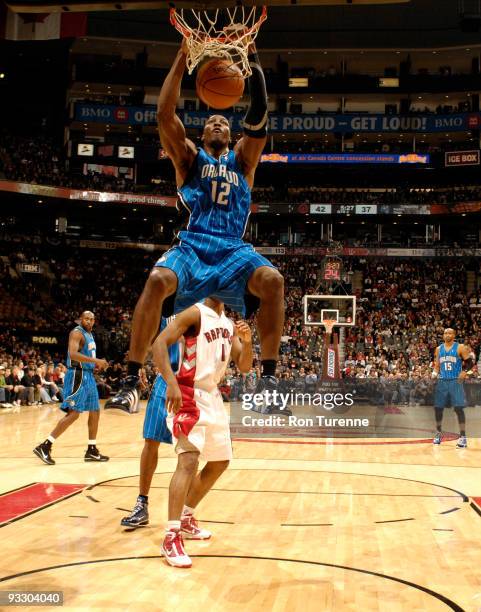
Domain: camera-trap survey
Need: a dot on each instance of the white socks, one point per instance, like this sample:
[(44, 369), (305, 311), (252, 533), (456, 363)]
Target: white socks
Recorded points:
[(173, 525)]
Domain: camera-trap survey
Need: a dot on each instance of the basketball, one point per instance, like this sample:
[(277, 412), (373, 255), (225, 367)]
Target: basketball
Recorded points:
[(219, 83)]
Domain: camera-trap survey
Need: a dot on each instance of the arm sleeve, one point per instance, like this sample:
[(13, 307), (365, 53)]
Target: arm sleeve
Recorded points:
[(255, 121)]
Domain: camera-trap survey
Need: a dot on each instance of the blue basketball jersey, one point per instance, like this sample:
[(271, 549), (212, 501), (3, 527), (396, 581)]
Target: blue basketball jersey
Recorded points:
[(174, 349), (450, 364), (88, 349), (217, 196)]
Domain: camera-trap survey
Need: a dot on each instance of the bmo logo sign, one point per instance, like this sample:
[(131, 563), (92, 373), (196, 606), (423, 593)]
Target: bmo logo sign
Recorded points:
[(121, 114), (462, 158)]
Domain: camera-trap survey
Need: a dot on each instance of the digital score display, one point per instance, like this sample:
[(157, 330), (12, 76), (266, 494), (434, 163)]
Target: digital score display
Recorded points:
[(332, 270)]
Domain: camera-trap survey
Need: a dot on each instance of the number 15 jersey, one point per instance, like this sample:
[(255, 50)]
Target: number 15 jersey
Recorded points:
[(217, 196), (450, 363)]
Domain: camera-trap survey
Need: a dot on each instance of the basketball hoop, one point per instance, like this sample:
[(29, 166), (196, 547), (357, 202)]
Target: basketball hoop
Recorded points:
[(329, 325), (224, 34)]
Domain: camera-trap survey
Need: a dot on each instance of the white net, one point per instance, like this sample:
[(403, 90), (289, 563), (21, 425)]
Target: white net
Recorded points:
[(329, 325), (220, 33)]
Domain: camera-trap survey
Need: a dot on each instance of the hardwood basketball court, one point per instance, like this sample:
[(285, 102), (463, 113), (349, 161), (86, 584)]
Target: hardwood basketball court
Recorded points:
[(299, 524)]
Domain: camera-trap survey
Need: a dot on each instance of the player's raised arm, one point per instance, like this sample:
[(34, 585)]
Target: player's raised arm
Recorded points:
[(171, 334), (241, 351), (249, 148), (180, 149)]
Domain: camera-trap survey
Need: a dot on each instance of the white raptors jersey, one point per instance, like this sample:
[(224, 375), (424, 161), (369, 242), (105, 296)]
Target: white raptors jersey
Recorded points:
[(206, 356)]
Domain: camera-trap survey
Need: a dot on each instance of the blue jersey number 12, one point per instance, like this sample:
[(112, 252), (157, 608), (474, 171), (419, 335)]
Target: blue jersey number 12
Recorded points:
[(220, 194)]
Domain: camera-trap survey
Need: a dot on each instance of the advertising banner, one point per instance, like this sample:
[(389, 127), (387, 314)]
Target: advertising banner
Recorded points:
[(462, 158), (302, 123), (87, 195), (345, 158)]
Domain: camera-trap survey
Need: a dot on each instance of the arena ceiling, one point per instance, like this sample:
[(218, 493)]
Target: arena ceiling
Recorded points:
[(315, 24)]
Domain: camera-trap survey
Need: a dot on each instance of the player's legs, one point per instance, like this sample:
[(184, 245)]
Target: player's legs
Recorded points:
[(462, 442), (92, 406), (93, 424), (217, 451), (139, 516), (65, 423), (459, 402), (203, 481), (459, 410), (43, 450), (173, 544), (441, 400), (148, 465), (92, 453), (438, 415), (267, 284), (187, 464), (161, 283), (155, 431)]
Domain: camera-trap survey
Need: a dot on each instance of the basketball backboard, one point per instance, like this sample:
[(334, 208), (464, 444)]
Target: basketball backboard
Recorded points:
[(340, 308)]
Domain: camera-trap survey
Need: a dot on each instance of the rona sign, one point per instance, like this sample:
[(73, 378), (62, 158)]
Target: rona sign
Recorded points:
[(44, 340)]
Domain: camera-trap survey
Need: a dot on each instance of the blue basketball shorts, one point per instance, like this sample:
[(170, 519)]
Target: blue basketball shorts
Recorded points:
[(155, 424), (211, 266), (80, 391), (449, 393)]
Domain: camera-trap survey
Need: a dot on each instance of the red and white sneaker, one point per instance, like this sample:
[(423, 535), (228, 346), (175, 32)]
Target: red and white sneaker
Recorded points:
[(173, 550), (191, 530)]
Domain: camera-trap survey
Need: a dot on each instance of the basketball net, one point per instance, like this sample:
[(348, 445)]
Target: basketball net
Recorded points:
[(329, 325), (224, 34)]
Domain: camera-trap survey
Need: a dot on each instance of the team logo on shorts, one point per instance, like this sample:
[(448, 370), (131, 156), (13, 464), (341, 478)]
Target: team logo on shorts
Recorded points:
[(71, 403)]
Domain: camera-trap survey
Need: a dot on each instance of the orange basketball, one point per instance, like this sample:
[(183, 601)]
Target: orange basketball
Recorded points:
[(219, 83)]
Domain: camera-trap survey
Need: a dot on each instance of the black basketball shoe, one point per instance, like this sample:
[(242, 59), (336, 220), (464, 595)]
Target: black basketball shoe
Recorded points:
[(43, 452), (272, 404), (139, 517), (127, 398), (93, 454)]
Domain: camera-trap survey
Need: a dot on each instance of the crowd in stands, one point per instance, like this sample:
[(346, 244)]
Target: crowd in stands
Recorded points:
[(403, 308), (39, 160), (348, 195), (403, 305), (30, 375)]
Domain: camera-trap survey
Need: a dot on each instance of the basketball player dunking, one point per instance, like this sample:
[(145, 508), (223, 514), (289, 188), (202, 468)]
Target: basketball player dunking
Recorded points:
[(79, 390), (214, 184), (197, 417), (449, 360)]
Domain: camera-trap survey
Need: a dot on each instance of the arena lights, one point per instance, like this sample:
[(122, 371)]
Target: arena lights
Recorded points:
[(2, 75)]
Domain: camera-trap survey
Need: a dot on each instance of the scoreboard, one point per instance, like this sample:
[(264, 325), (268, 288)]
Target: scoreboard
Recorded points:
[(343, 209), (331, 269)]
